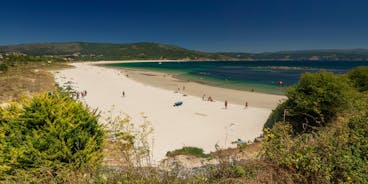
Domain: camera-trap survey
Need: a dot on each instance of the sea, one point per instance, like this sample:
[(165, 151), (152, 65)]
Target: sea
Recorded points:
[(270, 77)]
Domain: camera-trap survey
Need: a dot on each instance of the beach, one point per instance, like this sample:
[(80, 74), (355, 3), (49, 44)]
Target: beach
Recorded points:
[(151, 96)]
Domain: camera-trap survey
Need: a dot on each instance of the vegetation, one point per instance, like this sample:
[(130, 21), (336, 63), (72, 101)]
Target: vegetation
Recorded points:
[(25, 78), (336, 151), (8, 59), (49, 133), (314, 102), (359, 78), (108, 51), (318, 135), (3, 67), (198, 152)]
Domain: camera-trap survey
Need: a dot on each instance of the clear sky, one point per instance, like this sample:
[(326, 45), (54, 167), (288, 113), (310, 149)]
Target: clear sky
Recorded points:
[(207, 25)]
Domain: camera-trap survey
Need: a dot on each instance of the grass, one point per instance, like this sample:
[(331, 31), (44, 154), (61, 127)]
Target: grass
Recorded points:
[(198, 152), (27, 78)]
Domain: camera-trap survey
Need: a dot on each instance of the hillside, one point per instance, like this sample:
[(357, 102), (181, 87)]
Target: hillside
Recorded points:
[(145, 50), (109, 51), (324, 54)]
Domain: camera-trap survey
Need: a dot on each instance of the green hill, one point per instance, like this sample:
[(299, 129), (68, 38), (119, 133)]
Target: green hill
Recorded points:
[(145, 50), (110, 51)]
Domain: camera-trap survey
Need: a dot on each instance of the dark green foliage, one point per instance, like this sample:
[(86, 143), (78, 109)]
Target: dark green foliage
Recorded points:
[(198, 152), (276, 115), (315, 101), (336, 152), (359, 78), (49, 132)]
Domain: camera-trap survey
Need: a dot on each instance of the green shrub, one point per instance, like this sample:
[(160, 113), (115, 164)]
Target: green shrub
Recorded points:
[(316, 100), (359, 78), (338, 154), (276, 115), (198, 152), (49, 132)]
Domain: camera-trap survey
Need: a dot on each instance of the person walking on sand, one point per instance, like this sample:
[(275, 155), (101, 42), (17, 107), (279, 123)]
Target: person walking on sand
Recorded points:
[(204, 97), (246, 104), (225, 104), (123, 93)]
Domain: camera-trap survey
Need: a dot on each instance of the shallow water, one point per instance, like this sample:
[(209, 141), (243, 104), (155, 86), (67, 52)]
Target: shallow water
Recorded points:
[(261, 76)]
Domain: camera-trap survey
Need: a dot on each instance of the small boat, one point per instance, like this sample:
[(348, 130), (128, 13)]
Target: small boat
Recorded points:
[(160, 63), (179, 103)]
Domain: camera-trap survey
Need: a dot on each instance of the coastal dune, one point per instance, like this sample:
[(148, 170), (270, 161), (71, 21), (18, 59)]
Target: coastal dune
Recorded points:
[(196, 123)]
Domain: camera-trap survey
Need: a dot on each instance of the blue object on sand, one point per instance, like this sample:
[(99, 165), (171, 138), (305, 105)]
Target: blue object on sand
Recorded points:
[(178, 103)]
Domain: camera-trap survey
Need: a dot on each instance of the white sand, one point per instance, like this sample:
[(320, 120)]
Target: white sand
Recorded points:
[(195, 123)]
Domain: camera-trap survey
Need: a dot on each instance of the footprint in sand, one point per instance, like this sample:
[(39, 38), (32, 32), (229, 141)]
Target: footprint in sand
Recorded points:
[(200, 114)]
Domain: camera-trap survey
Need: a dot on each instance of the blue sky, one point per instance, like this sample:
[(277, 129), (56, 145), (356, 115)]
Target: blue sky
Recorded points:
[(206, 25)]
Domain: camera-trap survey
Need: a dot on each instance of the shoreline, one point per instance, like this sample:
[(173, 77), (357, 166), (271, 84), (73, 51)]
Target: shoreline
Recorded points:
[(168, 81), (196, 123)]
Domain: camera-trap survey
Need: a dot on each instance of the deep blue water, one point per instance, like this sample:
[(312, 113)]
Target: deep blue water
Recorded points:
[(245, 75)]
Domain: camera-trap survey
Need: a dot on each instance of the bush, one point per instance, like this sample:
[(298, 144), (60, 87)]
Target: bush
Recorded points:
[(316, 100), (359, 78), (338, 154), (49, 132), (276, 115)]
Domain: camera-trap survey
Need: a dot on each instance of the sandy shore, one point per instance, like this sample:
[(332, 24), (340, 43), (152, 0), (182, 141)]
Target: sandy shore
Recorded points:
[(196, 123), (169, 82)]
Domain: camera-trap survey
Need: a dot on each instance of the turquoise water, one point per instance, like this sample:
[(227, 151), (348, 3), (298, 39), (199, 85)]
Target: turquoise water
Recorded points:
[(260, 76)]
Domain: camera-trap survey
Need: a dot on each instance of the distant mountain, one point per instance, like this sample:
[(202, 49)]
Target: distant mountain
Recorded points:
[(145, 50), (323, 54), (110, 51)]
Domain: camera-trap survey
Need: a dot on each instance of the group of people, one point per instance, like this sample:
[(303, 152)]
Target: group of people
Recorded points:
[(210, 99), (78, 94), (180, 89), (205, 98)]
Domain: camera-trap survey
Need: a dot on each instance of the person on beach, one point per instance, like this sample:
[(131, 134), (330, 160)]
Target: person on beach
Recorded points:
[(83, 93), (204, 97), (246, 104), (210, 99), (225, 104), (123, 93)]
